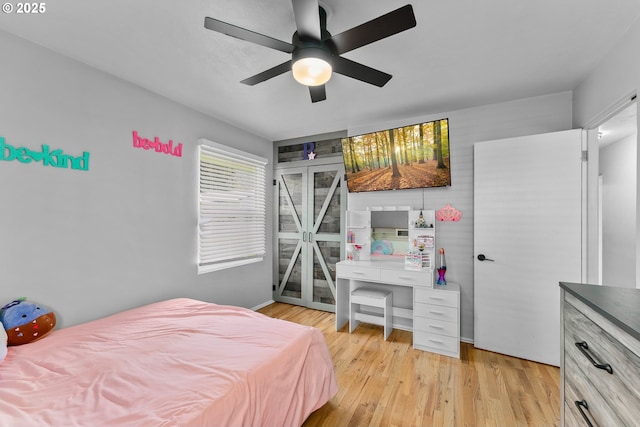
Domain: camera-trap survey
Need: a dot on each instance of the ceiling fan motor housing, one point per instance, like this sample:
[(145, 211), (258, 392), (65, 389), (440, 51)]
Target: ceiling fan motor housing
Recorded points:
[(311, 65)]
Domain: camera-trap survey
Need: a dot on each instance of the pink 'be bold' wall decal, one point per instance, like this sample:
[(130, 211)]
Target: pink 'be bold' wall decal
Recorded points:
[(157, 145)]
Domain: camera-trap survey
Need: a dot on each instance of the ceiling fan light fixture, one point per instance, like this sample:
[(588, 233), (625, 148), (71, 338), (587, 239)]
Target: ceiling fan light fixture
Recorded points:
[(311, 66)]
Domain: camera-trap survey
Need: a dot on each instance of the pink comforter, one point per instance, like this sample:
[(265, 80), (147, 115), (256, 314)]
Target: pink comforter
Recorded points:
[(180, 362)]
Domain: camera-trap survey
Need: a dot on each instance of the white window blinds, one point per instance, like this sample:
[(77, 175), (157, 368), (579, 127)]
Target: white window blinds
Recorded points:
[(232, 211)]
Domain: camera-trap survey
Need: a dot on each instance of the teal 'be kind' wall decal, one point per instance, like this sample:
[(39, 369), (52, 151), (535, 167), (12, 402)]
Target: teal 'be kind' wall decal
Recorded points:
[(48, 157)]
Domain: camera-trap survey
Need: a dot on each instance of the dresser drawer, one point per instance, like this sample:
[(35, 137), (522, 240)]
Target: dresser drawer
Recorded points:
[(578, 388), (436, 326), (435, 296), (434, 342), (356, 272), (572, 417), (407, 277), (620, 389), (436, 312)]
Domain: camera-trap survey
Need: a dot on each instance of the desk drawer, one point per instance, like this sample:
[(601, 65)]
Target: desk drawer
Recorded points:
[(435, 326), (358, 273), (435, 296), (435, 342), (437, 312), (407, 277)]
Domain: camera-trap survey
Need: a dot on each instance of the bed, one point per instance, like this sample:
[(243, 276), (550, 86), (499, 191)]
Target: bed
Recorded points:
[(179, 362)]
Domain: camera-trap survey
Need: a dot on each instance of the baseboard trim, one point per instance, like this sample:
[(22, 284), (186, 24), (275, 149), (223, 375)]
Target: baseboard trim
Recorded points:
[(264, 304)]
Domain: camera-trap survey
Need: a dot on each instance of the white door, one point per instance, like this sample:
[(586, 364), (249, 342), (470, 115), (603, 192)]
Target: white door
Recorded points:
[(527, 228)]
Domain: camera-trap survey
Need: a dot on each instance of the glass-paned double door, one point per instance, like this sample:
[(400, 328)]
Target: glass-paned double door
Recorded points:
[(309, 220)]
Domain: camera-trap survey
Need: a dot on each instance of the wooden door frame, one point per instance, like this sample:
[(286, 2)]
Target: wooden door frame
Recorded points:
[(591, 192)]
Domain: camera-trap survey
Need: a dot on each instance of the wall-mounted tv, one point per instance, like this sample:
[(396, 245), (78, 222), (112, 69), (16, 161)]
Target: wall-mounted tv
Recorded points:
[(414, 156)]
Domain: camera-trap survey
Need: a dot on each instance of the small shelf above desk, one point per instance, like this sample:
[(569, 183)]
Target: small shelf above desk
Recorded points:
[(434, 318)]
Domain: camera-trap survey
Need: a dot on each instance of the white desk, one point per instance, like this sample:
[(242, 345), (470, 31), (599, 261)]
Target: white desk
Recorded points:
[(432, 314)]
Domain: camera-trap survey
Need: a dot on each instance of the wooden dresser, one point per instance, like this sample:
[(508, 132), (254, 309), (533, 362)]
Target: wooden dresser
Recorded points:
[(600, 357)]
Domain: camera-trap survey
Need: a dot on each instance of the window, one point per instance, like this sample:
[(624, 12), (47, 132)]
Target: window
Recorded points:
[(231, 207)]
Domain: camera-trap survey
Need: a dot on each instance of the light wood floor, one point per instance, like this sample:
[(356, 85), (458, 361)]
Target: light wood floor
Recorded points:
[(388, 383)]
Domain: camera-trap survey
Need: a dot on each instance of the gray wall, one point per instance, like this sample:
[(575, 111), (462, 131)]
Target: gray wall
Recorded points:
[(466, 127), (123, 233), (614, 79)]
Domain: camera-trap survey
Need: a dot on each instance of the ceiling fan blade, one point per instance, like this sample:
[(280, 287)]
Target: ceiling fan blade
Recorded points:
[(266, 75), (318, 93), (357, 71), (244, 34), (307, 14), (377, 29)]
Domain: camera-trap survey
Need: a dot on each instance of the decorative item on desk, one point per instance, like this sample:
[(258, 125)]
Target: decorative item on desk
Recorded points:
[(411, 259), (442, 269), (351, 237), (356, 252), (424, 241), (416, 257), (421, 223), (448, 213)]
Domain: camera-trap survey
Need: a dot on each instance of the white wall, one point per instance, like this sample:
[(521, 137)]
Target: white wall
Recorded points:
[(123, 233), (614, 79), (618, 170), (617, 75), (466, 127)]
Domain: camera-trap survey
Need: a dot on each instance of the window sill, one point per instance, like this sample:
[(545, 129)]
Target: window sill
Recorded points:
[(203, 269)]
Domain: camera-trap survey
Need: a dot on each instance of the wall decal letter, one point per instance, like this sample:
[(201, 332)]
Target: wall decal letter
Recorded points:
[(56, 158), (157, 145), (308, 148)]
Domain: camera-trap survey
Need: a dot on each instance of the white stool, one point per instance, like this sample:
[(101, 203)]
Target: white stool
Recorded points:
[(372, 298)]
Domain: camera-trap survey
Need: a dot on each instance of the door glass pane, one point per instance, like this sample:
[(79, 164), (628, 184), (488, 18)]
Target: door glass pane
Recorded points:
[(330, 255), (286, 251), (330, 222), (290, 194)]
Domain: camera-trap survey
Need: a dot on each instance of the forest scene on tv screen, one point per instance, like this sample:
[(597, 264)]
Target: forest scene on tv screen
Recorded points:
[(414, 156)]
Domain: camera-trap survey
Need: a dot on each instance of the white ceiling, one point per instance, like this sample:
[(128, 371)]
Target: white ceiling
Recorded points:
[(462, 53)]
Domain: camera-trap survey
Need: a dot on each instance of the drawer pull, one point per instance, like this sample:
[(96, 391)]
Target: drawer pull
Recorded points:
[(404, 277), (580, 404), (435, 326), (358, 272), (435, 312), (583, 346)]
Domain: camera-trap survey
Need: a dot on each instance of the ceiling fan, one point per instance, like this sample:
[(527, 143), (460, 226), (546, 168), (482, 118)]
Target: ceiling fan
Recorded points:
[(315, 53)]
